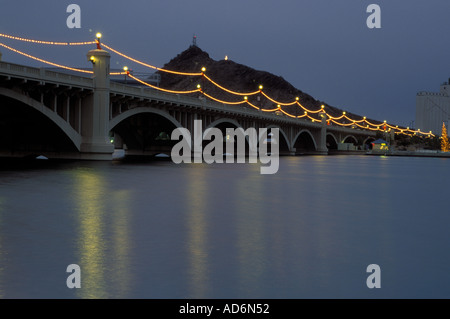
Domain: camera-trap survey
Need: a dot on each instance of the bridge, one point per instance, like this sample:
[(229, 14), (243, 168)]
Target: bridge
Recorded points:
[(60, 115)]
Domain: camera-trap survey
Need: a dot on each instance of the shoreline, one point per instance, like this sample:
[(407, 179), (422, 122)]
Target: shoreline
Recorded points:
[(437, 154)]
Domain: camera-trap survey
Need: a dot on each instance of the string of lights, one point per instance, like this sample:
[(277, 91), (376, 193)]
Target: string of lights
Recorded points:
[(252, 105), (276, 102), (312, 118), (148, 65), (224, 102), (52, 63), (330, 119), (161, 89), (45, 61), (293, 116), (270, 110), (45, 42), (225, 89), (308, 110)]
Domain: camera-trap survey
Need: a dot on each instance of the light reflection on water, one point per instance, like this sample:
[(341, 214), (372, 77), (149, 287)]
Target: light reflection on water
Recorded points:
[(90, 190), (197, 237), (122, 243), (251, 243), (161, 230), (104, 260)]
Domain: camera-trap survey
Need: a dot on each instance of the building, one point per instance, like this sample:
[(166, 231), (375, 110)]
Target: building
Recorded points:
[(380, 145), (432, 109)]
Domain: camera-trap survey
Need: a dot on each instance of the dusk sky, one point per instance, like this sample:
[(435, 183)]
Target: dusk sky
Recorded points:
[(322, 47)]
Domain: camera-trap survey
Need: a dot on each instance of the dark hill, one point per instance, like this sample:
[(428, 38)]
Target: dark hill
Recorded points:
[(239, 78)]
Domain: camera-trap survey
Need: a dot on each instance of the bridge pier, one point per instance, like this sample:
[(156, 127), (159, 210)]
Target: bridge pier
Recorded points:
[(96, 143), (321, 138), (322, 145)]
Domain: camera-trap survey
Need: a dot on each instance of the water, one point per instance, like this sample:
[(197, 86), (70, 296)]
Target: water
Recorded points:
[(160, 230)]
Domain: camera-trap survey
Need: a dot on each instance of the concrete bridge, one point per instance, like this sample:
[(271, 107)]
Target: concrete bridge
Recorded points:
[(58, 115)]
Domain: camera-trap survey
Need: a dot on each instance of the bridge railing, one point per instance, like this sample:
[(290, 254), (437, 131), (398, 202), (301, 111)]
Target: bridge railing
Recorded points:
[(44, 75)]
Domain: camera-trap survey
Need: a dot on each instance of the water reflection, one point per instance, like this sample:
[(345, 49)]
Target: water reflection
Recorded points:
[(308, 231), (90, 188), (197, 233), (250, 233), (120, 263)]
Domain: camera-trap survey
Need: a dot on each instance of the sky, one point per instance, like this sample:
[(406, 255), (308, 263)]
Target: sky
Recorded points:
[(322, 47)]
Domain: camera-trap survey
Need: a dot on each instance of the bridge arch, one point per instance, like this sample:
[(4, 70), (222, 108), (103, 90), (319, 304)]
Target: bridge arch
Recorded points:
[(283, 134), (140, 110), (224, 120), (331, 141), (64, 126), (140, 130), (368, 142), (350, 139), (304, 140), (220, 124)]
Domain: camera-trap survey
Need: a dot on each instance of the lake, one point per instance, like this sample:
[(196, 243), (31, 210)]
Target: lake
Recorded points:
[(162, 230)]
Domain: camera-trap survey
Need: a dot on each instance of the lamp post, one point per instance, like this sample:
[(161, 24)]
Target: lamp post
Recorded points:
[(125, 68), (99, 36), (259, 97), (203, 78)]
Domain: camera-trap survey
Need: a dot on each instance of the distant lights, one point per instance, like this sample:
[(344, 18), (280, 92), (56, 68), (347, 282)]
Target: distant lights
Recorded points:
[(125, 68), (245, 98), (199, 86), (203, 69), (260, 87), (297, 98), (98, 35)]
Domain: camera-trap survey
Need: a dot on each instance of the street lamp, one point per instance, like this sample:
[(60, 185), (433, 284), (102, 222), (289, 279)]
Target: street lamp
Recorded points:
[(99, 36), (125, 68)]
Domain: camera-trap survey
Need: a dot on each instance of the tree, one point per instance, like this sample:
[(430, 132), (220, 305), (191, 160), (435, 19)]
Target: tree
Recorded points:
[(445, 144)]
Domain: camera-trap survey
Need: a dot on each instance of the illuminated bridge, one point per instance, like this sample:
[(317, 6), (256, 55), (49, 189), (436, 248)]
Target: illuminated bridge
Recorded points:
[(60, 115)]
